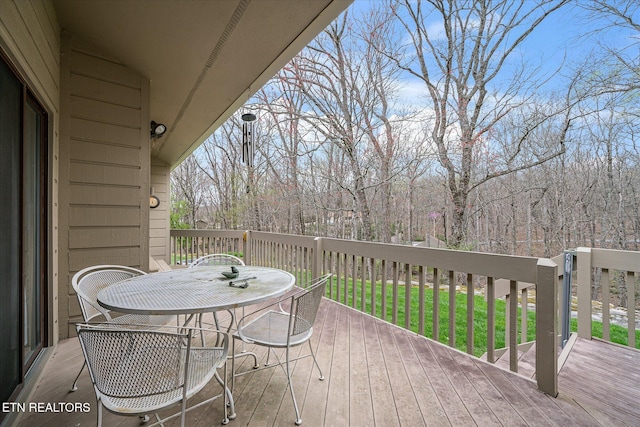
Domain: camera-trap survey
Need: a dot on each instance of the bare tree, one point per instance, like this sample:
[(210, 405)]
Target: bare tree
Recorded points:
[(460, 66), (613, 13), (283, 105), (348, 86), (375, 94), (488, 159), (188, 185), (324, 74), (220, 162)]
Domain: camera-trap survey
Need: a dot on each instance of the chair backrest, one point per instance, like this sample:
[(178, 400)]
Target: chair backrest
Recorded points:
[(216, 259), (89, 281), (304, 306), (133, 363)]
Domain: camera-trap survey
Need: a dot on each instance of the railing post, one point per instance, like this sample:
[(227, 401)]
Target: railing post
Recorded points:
[(316, 267), (584, 292), (247, 247), (546, 327)]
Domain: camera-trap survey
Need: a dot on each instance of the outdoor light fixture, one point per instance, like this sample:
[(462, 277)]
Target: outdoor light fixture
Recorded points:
[(157, 129)]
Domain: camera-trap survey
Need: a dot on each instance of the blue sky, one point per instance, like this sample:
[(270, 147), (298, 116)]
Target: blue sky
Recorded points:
[(567, 35)]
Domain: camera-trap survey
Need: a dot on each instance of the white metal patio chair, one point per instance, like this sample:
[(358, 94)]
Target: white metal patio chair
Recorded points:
[(89, 281), (273, 327), (215, 260), (139, 371)]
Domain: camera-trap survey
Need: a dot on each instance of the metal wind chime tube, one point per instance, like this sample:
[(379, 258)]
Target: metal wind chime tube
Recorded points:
[(248, 146)]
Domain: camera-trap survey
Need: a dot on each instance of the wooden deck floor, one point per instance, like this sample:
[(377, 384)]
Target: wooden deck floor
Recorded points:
[(376, 375), (604, 379)]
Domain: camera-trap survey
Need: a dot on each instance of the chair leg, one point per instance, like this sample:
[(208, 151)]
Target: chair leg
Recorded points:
[(74, 387), (315, 361), (228, 398), (199, 321), (99, 413), (293, 395), (268, 355), (233, 364)]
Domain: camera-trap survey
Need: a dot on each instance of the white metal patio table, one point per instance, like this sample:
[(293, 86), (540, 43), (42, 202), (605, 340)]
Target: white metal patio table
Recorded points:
[(196, 290)]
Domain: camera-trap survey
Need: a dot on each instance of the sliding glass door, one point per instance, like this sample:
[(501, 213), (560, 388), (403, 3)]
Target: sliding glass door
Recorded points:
[(33, 226), (10, 141), (23, 220)]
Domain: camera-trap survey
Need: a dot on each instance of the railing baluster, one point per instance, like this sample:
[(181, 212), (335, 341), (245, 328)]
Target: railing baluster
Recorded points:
[(354, 281), (436, 304), (303, 260), (421, 301), (470, 313), (513, 326), (373, 286), (394, 303), (334, 267), (606, 298), (307, 255), (306, 266), (452, 309), (192, 249), (300, 259), (345, 279), (183, 241), (491, 320), (524, 310), (407, 296), (383, 285), (631, 309), (363, 285)]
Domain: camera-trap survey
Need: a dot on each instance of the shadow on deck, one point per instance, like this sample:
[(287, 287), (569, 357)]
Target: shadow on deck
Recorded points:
[(379, 374)]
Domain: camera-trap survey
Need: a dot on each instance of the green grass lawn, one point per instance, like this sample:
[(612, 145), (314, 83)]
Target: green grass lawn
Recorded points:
[(618, 334)]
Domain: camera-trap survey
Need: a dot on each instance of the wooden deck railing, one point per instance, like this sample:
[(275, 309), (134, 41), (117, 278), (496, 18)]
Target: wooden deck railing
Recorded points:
[(393, 282), (597, 269), (188, 245)]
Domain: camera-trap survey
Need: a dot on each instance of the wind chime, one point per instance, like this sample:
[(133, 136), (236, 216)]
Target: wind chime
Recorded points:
[(248, 146)]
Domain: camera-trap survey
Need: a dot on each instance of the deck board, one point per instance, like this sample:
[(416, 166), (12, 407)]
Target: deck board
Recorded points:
[(379, 374), (453, 407), (604, 377), (495, 401), (337, 413), (360, 403), (385, 412), (315, 403), (470, 397), (429, 402)]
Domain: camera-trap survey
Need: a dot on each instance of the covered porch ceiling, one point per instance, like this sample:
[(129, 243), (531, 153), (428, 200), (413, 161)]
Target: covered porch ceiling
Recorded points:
[(204, 59)]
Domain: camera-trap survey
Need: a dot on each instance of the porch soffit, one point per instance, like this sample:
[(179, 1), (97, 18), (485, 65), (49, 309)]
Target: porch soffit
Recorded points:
[(204, 59)]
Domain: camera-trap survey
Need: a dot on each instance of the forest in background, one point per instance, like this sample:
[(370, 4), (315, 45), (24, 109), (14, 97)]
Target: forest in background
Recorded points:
[(407, 119)]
